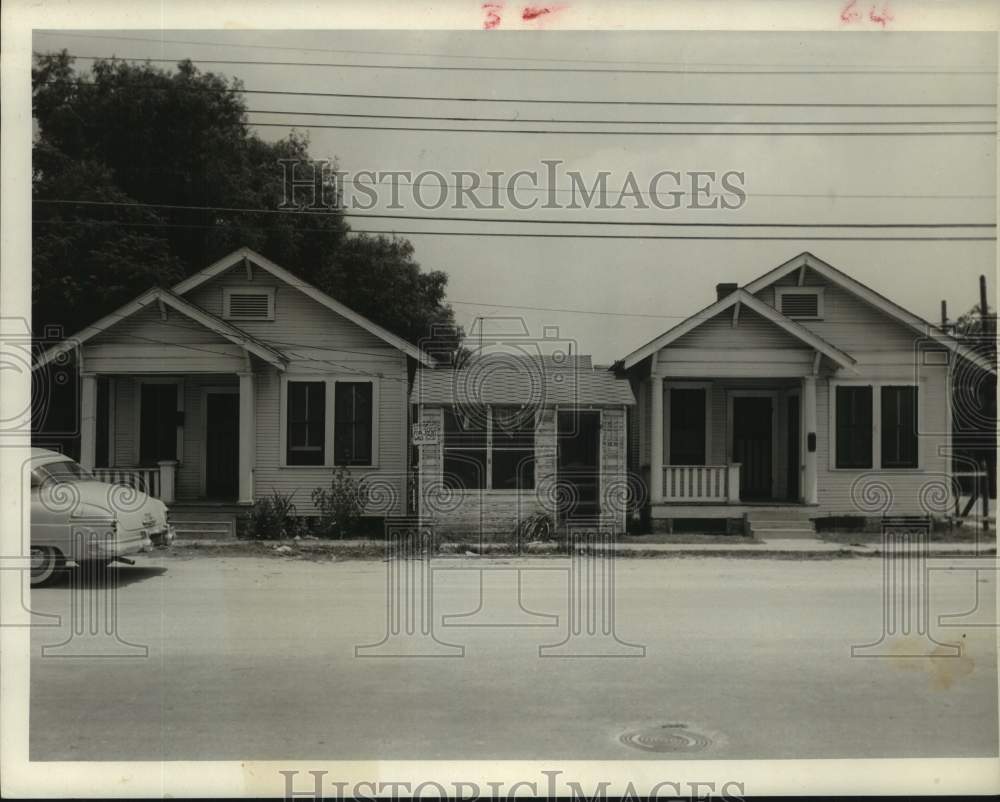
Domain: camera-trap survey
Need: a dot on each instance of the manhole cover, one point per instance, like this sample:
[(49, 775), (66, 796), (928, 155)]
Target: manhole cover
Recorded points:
[(666, 738)]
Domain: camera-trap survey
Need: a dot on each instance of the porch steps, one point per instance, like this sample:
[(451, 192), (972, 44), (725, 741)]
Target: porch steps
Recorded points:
[(783, 523), (192, 522)]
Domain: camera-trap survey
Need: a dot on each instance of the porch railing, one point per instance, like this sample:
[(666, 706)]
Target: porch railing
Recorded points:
[(157, 482), (719, 483)]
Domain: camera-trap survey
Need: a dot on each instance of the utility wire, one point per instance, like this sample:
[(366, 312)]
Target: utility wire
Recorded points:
[(558, 132), (532, 221), (563, 101), (464, 68), (937, 68), (546, 235), (436, 118)]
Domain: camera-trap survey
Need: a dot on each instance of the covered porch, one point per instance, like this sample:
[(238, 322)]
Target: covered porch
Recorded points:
[(725, 445), (168, 400), (176, 437)]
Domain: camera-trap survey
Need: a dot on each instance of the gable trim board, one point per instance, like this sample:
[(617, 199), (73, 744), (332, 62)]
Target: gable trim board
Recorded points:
[(165, 298), (807, 260), (244, 255), (747, 299)]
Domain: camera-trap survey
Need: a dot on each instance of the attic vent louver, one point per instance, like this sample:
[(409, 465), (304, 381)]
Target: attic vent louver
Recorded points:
[(800, 304), (245, 305)]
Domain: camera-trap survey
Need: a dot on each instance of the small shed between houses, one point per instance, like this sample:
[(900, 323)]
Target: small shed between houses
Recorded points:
[(510, 437)]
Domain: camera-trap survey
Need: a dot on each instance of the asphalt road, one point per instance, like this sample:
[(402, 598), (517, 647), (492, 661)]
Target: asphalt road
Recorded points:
[(254, 658)]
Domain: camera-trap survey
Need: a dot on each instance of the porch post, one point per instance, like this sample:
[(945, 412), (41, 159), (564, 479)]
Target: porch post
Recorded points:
[(88, 421), (656, 455), (810, 492), (248, 424)]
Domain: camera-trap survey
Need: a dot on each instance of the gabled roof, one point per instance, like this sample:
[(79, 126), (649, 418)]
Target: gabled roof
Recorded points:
[(229, 261), (159, 295), (522, 380), (745, 298), (873, 298)]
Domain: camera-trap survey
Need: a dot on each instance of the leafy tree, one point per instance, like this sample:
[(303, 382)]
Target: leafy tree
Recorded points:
[(178, 142)]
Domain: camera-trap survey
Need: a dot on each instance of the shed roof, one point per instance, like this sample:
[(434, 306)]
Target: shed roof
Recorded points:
[(521, 380)]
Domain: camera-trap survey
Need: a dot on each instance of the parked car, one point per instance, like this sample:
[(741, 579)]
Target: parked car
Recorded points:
[(77, 518)]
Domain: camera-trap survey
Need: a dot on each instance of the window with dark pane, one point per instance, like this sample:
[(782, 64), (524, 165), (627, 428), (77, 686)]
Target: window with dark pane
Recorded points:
[(513, 451), (306, 436), (854, 427), (899, 427), (465, 448), (352, 420)]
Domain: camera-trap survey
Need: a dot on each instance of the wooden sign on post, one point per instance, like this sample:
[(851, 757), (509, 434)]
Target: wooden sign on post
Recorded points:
[(425, 434)]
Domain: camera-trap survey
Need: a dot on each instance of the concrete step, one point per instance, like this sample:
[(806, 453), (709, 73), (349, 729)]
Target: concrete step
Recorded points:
[(194, 523), (779, 514), (784, 534), (786, 523)]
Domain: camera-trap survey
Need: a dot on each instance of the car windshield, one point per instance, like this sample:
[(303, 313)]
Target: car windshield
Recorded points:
[(61, 471)]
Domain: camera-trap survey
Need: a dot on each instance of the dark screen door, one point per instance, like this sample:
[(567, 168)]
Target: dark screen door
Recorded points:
[(579, 448), (158, 423), (752, 445), (222, 424)]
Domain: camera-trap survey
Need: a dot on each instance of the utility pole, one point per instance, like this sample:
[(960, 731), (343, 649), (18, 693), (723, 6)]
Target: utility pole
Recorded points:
[(984, 309)]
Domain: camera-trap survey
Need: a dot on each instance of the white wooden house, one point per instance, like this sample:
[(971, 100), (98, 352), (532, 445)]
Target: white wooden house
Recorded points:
[(240, 380), (799, 395)]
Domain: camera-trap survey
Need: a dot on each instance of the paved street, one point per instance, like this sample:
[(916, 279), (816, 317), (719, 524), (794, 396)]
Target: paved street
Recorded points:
[(254, 658)]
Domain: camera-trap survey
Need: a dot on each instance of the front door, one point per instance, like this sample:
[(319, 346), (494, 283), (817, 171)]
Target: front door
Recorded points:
[(579, 452), (222, 433), (752, 445)]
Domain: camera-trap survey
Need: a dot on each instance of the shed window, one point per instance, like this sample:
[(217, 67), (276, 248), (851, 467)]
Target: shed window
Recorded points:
[(352, 416), (899, 427), (512, 448), (854, 427), (489, 448), (306, 423)]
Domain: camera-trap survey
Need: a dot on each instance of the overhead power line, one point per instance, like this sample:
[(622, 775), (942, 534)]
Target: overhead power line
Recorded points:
[(474, 219), (544, 120), (579, 101), (743, 70), (922, 68), (548, 235), (563, 132)]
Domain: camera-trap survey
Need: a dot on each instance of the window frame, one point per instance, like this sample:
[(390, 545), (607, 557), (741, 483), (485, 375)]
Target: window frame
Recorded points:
[(781, 291), (371, 425), (876, 385), (488, 484), (916, 426), (330, 420), (229, 292)]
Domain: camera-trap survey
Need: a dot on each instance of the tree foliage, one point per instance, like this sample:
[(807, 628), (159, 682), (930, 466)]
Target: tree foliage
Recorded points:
[(178, 142)]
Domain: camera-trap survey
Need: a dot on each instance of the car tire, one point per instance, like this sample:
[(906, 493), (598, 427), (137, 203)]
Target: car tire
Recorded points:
[(45, 563)]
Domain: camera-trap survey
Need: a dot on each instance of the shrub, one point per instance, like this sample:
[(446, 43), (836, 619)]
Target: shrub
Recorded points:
[(537, 526), (342, 506), (271, 517)]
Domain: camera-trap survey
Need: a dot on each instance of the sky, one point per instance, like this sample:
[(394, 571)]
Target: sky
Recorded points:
[(642, 287)]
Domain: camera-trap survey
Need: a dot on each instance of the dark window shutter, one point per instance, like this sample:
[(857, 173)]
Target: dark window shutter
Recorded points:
[(854, 427), (899, 427)]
